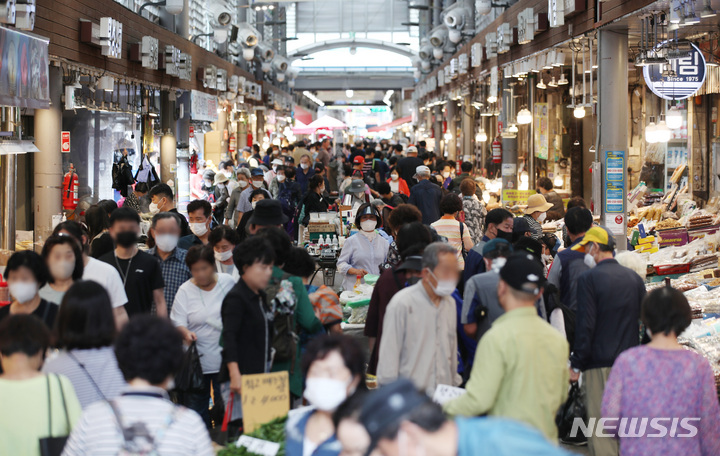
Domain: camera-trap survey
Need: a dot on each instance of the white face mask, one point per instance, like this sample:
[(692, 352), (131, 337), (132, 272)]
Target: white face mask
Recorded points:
[(199, 229), (589, 260), (154, 209), (446, 174), (242, 184), (444, 287), (62, 270), (274, 169), (166, 242), (23, 291), (254, 203), (281, 177), (221, 185), (304, 165), (394, 177), (325, 393), (223, 256), (257, 184), (368, 225), (542, 217)]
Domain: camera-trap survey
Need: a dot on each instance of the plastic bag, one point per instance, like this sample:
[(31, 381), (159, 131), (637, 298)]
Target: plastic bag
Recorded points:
[(190, 375), (573, 408)]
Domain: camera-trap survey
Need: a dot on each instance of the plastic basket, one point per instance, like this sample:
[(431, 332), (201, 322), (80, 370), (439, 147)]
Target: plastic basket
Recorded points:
[(668, 269)]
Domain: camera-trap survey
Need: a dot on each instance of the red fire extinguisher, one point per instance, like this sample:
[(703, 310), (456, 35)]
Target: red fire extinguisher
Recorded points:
[(70, 190), (497, 151)]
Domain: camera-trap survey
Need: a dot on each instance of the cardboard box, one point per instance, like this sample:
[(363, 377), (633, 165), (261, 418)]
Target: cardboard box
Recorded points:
[(699, 233), (321, 228), (673, 237)]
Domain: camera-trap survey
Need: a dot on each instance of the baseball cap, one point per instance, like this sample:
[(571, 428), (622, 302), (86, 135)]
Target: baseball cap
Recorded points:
[(257, 172), (411, 150), (387, 406), (496, 245), (521, 225), (413, 263), (359, 159), (277, 161), (597, 234), (529, 245), (522, 272), (422, 169)]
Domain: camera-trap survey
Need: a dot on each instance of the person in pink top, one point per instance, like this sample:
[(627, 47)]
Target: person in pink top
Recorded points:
[(665, 382)]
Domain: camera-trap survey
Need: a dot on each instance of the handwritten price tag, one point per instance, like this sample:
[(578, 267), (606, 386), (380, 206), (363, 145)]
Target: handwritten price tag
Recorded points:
[(445, 393), (257, 446), (264, 398)]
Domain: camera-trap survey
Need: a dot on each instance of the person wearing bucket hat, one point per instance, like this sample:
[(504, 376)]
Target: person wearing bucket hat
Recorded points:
[(222, 195), (426, 195), (257, 181), (365, 251), (609, 297), (357, 192), (267, 213), (535, 214), (400, 420), (518, 346)]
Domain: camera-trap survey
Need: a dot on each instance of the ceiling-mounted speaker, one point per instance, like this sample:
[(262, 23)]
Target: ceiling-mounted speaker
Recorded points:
[(224, 18)]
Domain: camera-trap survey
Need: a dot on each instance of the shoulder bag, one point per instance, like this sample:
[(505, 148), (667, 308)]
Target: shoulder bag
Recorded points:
[(53, 446)]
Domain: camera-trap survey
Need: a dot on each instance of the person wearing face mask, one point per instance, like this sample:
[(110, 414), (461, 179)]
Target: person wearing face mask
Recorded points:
[(334, 369), (26, 273), (456, 232), (683, 382), (97, 221), (536, 214), (398, 184), (402, 422), (275, 165), (412, 239), (64, 260), (255, 196), (420, 329), (609, 297), (196, 314), (257, 182), (133, 199), (223, 240), (365, 251), (304, 172), (480, 304), (208, 185), (314, 200), (519, 346), (277, 180), (140, 271), (498, 224), (243, 181), (445, 175), (200, 215), (222, 195), (426, 196), (162, 199), (165, 230)]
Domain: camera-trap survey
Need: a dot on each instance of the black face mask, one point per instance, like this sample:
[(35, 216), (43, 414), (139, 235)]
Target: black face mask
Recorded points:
[(126, 238), (507, 235), (412, 281)]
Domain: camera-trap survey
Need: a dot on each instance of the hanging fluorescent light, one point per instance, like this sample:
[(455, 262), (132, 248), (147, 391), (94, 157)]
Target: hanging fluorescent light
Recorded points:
[(559, 60), (481, 136), (541, 85), (707, 10), (563, 80), (491, 99), (579, 112), (552, 82), (106, 83), (524, 117), (559, 181), (513, 128), (673, 118), (349, 93), (690, 16)]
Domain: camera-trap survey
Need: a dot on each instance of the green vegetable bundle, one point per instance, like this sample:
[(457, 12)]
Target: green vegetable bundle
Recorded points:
[(274, 431)]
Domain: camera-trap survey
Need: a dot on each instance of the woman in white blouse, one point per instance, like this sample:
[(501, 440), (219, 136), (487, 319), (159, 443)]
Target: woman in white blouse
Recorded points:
[(223, 240), (364, 252), (196, 313)]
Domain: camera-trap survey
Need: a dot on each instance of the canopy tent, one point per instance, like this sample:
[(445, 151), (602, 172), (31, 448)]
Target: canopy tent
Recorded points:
[(301, 129), (393, 124), (327, 123)]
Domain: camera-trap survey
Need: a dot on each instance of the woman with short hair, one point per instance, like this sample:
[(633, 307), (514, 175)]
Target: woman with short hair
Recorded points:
[(474, 209), (456, 232), (663, 379), (26, 273), (84, 333), (196, 313), (223, 240)]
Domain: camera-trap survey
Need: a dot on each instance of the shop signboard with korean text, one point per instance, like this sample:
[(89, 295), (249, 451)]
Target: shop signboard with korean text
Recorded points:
[(515, 197), (204, 107), (680, 79), (614, 183), (24, 70), (541, 130)]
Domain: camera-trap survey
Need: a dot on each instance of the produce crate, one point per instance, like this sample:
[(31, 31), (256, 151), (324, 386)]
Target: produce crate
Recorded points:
[(668, 269)]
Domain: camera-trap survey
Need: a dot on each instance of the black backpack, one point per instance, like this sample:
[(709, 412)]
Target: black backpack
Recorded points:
[(552, 302), (283, 302)]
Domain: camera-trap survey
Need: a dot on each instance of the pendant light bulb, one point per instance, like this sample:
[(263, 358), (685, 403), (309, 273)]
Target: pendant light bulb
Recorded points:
[(650, 132), (673, 119), (524, 117), (579, 112), (541, 85)]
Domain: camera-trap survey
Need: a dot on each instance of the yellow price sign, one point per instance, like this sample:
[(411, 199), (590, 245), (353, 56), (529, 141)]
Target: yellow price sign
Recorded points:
[(264, 398)]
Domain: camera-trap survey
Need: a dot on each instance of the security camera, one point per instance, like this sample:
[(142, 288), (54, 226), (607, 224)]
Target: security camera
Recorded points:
[(280, 64), (483, 7), (264, 51), (224, 18), (455, 18), (425, 53), (247, 35), (438, 36)]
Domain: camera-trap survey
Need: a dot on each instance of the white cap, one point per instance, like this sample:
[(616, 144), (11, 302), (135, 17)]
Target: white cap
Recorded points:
[(411, 150), (421, 170), (277, 161)]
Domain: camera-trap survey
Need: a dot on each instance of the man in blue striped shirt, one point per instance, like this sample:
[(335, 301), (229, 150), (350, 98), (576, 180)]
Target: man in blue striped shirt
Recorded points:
[(165, 230)]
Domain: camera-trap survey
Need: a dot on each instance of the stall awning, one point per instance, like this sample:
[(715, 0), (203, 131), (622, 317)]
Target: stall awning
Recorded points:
[(14, 147), (393, 124)]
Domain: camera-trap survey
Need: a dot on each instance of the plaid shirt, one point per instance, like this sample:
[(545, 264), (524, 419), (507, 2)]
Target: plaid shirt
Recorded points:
[(174, 271)]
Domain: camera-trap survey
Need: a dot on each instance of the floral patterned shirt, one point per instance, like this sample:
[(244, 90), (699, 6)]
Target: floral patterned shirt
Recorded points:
[(475, 213)]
